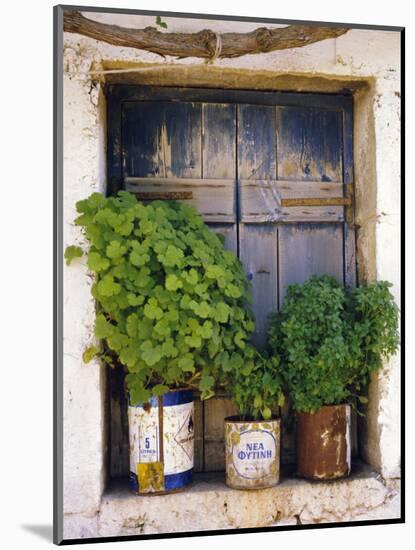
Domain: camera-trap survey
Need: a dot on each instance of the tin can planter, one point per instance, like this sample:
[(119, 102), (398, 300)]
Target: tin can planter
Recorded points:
[(323, 443), (162, 443), (252, 453)]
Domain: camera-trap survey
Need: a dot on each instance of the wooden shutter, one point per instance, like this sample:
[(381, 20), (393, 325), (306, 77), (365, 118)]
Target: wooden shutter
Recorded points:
[(272, 172)]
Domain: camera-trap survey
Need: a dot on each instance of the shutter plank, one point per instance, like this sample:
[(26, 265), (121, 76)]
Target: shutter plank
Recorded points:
[(305, 250), (309, 144), (350, 275), (216, 410), (142, 124), (309, 249), (228, 232), (198, 431), (119, 444), (218, 162), (288, 433), (184, 140), (258, 243), (258, 252), (218, 143), (162, 139), (256, 142)]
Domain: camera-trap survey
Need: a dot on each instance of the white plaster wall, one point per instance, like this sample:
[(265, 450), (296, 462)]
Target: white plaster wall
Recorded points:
[(83, 384), (370, 56), (387, 131)]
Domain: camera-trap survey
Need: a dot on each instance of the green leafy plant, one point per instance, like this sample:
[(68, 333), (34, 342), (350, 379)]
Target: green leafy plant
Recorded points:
[(331, 340), (256, 388), (160, 22), (373, 329), (172, 302), (72, 252)]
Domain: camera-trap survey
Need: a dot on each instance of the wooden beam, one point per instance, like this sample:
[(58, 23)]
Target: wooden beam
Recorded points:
[(205, 43)]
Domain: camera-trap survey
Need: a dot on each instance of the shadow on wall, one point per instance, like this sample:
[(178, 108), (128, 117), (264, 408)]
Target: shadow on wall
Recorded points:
[(44, 532)]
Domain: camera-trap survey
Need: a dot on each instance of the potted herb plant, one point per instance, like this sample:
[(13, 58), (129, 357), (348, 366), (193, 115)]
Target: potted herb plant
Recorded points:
[(330, 342), (252, 439), (171, 302)]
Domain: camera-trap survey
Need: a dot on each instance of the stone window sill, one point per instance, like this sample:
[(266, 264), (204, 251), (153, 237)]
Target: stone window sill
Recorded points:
[(210, 505)]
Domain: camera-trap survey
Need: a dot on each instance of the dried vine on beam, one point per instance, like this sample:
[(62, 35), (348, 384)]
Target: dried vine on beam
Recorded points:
[(201, 44)]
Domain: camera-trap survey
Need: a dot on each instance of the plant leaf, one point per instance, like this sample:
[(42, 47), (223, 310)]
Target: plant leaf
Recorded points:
[(72, 252), (89, 354), (160, 389)]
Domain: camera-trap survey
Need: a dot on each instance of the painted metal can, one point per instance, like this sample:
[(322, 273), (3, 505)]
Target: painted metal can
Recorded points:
[(323, 443), (161, 437), (252, 453)]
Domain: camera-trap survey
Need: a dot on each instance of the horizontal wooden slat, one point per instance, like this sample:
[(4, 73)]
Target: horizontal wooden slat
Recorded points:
[(302, 189), (261, 201), (296, 214), (312, 214), (126, 92), (274, 200), (322, 201), (213, 198), (163, 195)]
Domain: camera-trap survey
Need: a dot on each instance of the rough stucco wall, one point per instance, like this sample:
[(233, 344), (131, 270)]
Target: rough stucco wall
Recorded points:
[(368, 59), (387, 130), (84, 437), (377, 176)]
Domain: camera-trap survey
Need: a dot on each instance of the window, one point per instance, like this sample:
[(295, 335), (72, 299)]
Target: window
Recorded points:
[(270, 171)]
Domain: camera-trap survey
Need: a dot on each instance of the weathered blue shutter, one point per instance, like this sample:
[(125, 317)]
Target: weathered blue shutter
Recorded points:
[(272, 172)]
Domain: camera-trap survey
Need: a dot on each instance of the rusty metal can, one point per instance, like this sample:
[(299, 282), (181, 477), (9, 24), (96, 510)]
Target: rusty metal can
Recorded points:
[(161, 435), (252, 453), (323, 443)]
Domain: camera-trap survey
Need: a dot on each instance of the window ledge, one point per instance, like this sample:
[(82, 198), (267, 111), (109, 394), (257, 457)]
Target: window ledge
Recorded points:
[(210, 505)]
